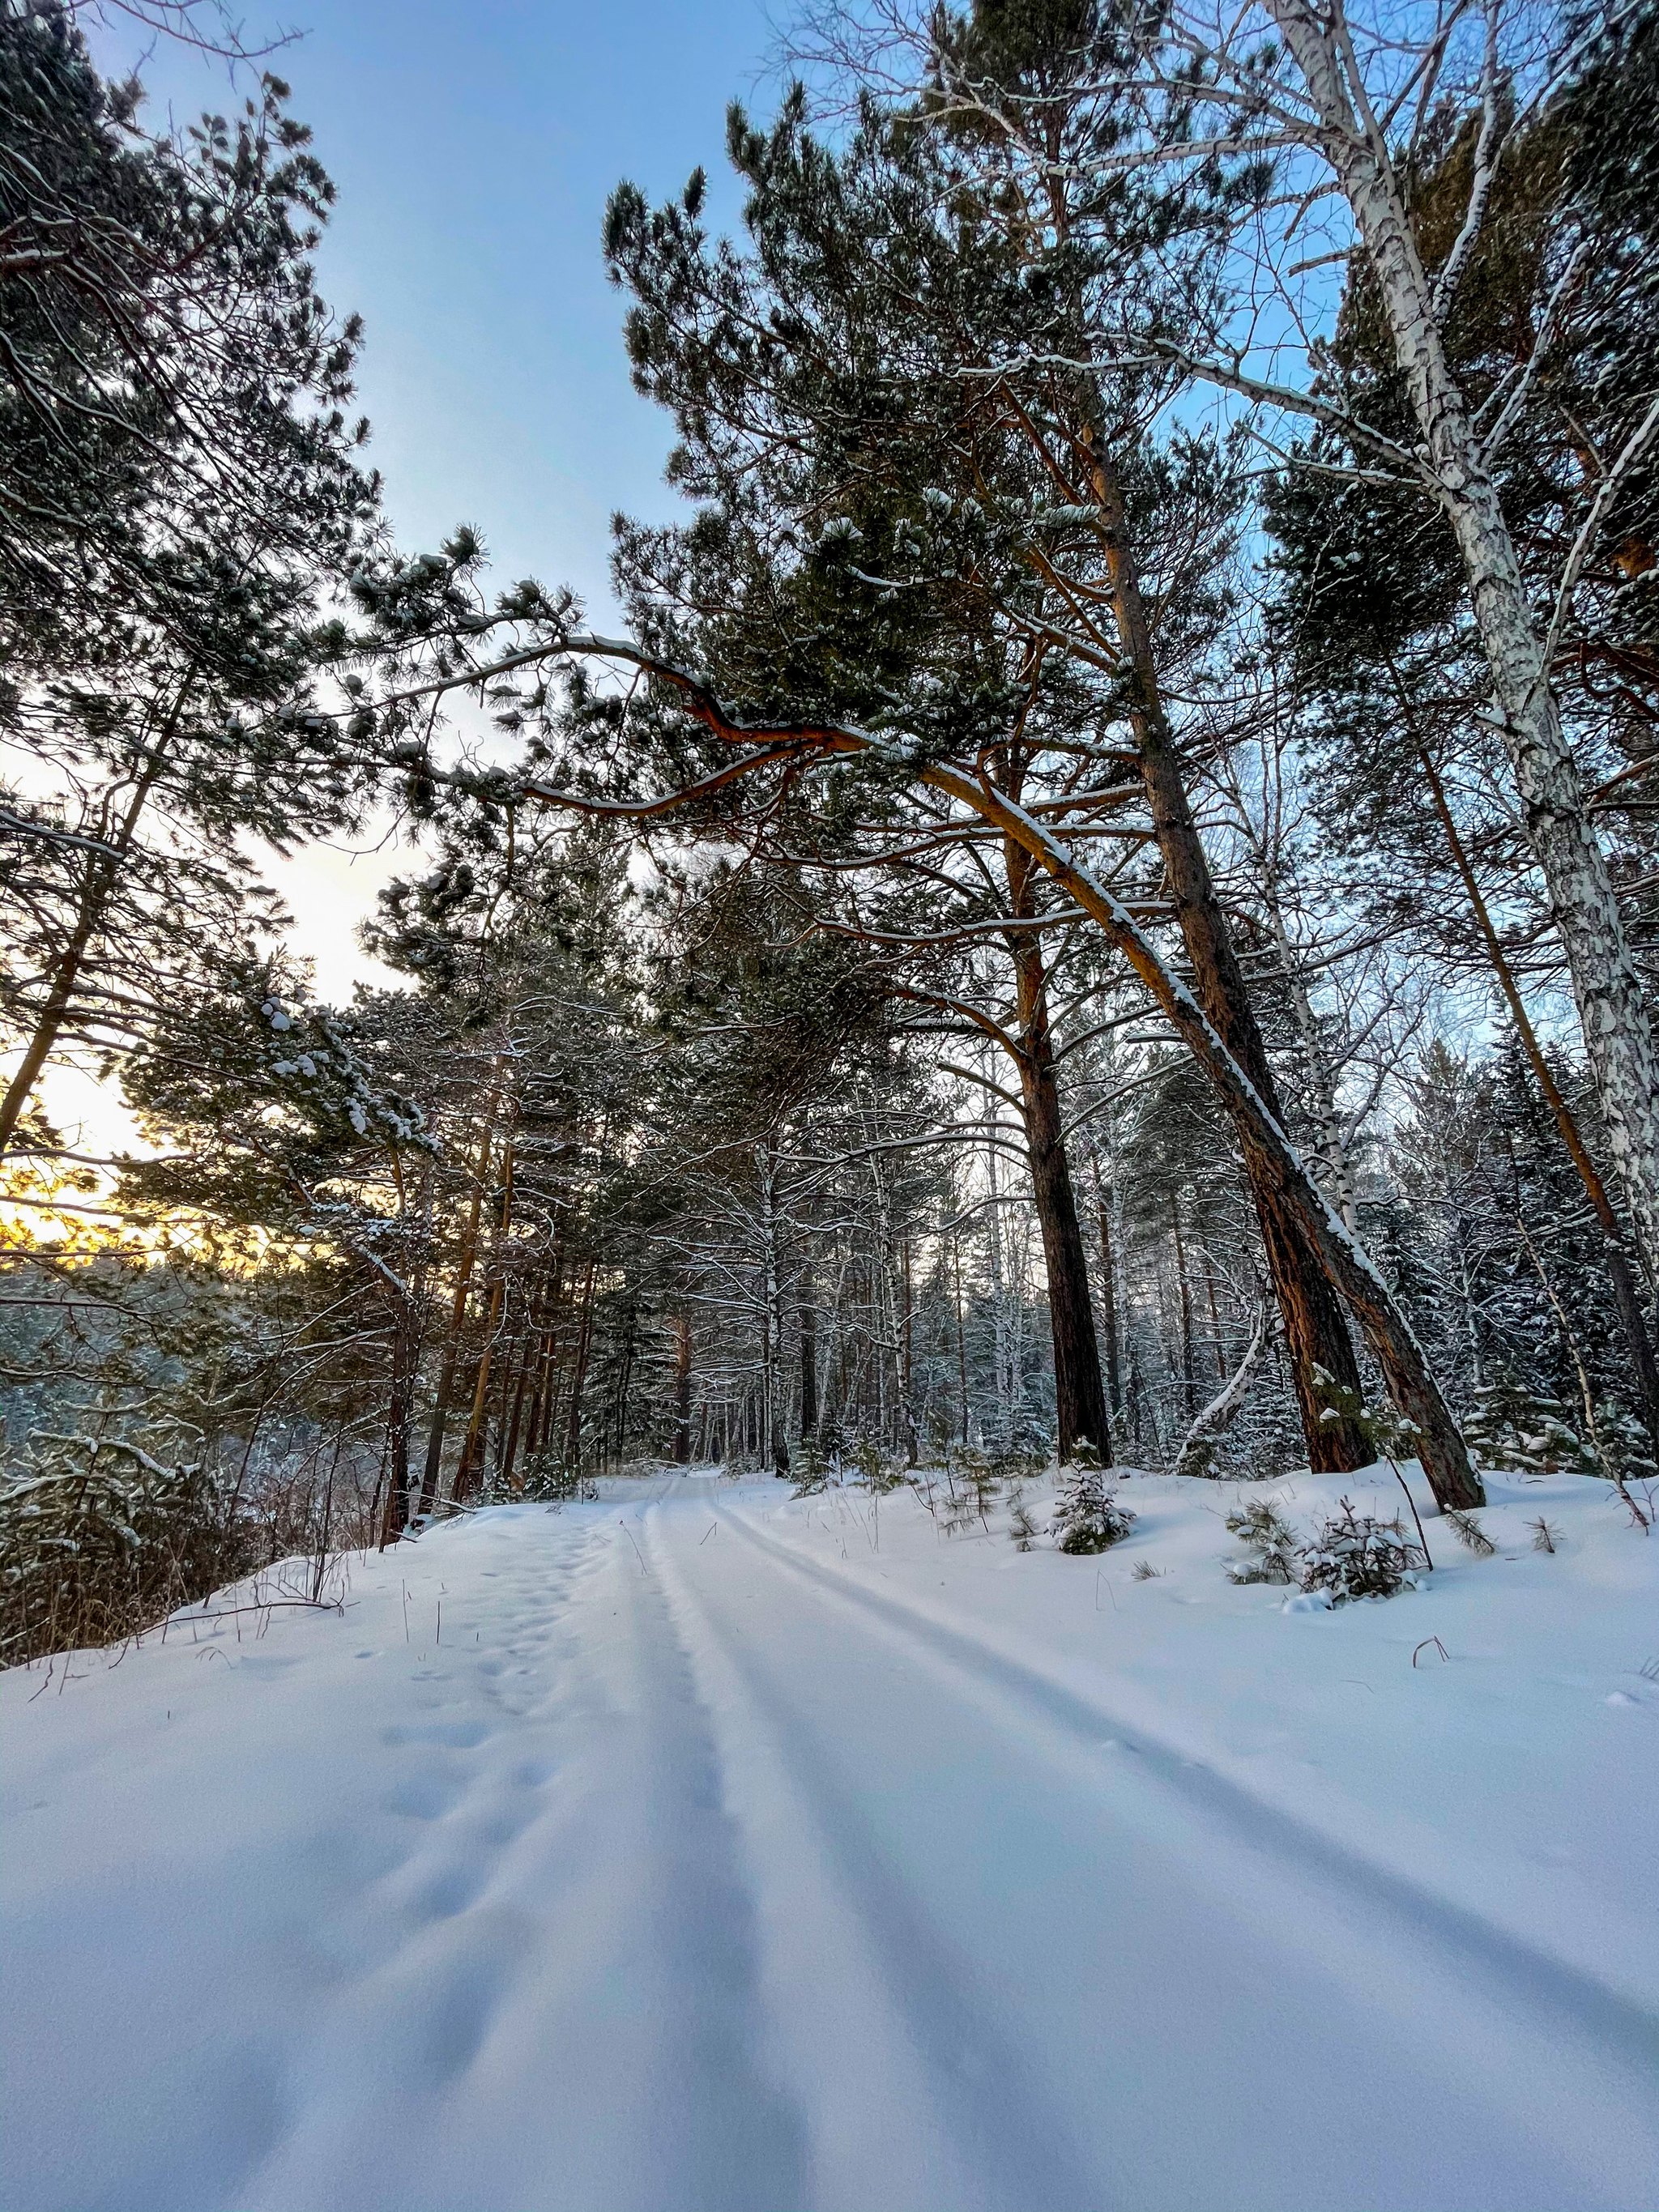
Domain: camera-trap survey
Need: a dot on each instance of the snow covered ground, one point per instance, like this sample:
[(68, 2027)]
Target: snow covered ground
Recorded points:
[(715, 1850)]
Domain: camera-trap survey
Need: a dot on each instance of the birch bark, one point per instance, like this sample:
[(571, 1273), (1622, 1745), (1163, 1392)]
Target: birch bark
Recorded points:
[(1606, 985)]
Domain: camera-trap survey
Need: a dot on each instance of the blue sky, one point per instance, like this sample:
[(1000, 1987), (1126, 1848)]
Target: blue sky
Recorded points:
[(474, 148)]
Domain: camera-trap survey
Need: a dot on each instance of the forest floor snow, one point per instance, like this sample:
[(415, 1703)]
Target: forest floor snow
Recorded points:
[(715, 1848)]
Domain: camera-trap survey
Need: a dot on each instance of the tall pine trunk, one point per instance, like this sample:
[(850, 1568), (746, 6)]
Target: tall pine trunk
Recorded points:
[(1315, 1335)]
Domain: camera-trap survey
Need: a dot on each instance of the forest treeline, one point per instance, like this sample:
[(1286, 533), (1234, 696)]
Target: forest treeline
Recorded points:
[(1103, 903)]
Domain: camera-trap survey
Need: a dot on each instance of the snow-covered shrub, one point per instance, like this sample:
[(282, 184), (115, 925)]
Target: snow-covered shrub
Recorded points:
[(547, 1481), (972, 1486), (1355, 1555), (99, 1538), (874, 1473), (810, 1469), (1087, 1515), (1518, 1429), (1524, 1432), (1271, 1540), (1021, 1453)]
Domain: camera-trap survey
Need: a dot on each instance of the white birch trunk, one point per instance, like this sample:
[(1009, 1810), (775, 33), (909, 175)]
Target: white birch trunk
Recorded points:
[(1198, 1450), (1606, 989)]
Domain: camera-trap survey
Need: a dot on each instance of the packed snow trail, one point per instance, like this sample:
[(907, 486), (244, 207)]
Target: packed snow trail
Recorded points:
[(684, 1864)]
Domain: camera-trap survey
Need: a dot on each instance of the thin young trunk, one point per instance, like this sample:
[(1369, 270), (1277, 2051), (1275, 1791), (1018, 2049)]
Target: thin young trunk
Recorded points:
[(807, 1307), (1215, 1315), (911, 1442), (1005, 1377), (505, 1367), (102, 873), (404, 1349), (773, 1443), (961, 1337), (1079, 1396), (510, 1454), (681, 1326), (1644, 1367), (541, 1413), (1109, 1297), (1188, 1375), (572, 1433), (624, 1384), (434, 1442), (1584, 904), (470, 1472)]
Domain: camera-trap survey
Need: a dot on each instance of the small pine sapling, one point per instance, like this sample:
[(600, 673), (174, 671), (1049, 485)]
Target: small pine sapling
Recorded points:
[(1394, 1436), (1087, 1515), (981, 1486), (877, 1476), (547, 1481), (1354, 1555), (1469, 1533), (811, 1470), (1524, 1432), (1544, 1537), (1144, 1571), (1021, 1527), (1263, 1529)]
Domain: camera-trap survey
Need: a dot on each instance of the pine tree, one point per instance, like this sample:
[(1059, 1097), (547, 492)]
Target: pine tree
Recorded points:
[(180, 493)]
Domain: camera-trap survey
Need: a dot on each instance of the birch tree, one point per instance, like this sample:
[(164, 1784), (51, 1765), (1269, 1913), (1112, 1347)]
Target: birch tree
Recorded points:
[(1334, 102)]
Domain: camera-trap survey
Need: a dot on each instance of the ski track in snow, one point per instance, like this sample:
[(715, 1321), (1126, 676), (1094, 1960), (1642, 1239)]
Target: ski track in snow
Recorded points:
[(693, 1871)]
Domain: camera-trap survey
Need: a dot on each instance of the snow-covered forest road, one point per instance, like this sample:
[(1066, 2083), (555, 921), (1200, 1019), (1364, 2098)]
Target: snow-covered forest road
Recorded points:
[(706, 1851)]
